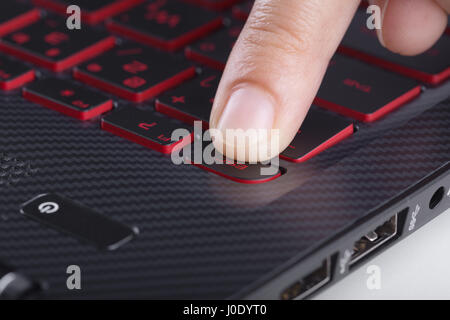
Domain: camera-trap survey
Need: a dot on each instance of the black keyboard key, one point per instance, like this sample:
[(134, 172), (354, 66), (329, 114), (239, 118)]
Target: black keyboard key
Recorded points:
[(215, 4), (166, 24), (192, 100), (134, 72), (14, 74), (16, 15), (319, 131), (242, 11), (48, 43), (432, 67), (145, 128), (240, 172), (64, 215), (92, 11), (68, 98), (363, 92), (214, 50)]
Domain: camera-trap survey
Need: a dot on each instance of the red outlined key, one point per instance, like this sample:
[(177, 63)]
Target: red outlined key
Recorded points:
[(68, 98), (165, 24), (248, 173), (145, 128), (319, 131), (214, 50), (135, 72), (192, 100), (431, 67), (49, 44), (16, 15), (362, 91), (241, 172), (14, 74), (92, 11)]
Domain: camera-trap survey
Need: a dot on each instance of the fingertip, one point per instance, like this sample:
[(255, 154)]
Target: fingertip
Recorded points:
[(411, 27)]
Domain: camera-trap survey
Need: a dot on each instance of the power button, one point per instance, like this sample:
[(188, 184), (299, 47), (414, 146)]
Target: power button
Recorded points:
[(77, 220)]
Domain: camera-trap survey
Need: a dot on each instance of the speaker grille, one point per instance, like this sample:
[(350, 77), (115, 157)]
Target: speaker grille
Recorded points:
[(12, 170)]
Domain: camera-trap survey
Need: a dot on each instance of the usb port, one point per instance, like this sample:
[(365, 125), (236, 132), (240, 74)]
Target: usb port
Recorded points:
[(309, 283), (374, 239)]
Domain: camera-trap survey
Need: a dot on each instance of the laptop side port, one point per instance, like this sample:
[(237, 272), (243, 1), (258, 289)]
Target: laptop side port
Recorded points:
[(437, 197), (309, 283), (374, 239)]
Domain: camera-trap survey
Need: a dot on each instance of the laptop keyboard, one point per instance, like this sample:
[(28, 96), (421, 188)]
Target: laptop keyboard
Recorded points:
[(169, 55)]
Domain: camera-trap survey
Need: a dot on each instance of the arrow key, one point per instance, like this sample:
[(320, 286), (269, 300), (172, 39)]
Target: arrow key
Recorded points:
[(146, 128)]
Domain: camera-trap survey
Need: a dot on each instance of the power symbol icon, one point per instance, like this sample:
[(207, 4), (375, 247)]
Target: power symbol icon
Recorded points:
[(48, 207)]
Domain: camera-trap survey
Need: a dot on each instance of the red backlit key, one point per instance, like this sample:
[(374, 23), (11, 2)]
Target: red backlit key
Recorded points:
[(215, 4), (134, 72), (15, 15), (192, 100), (146, 128), (92, 11), (14, 74), (214, 50), (214, 162), (68, 98), (243, 173), (48, 43), (319, 131), (166, 24), (242, 11), (363, 92), (432, 67)]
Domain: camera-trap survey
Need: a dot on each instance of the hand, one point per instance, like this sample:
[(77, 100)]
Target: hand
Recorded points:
[(280, 58)]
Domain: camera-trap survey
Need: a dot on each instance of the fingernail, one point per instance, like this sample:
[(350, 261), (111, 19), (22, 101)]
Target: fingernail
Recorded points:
[(248, 107)]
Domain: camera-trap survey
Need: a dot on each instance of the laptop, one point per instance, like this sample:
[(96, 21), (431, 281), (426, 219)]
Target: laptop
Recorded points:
[(92, 205)]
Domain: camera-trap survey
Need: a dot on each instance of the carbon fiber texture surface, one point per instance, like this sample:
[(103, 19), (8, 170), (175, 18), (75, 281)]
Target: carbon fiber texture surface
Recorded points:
[(201, 236)]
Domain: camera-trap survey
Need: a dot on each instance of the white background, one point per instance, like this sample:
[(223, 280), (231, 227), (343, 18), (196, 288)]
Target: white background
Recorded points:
[(418, 267)]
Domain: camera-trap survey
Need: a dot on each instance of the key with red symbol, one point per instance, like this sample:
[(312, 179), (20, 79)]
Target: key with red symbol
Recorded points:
[(135, 72), (166, 24), (68, 98), (214, 50), (363, 92), (248, 173), (318, 132), (48, 43), (16, 15), (146, 128), (92, 11), (192, 100), (14, 74)]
